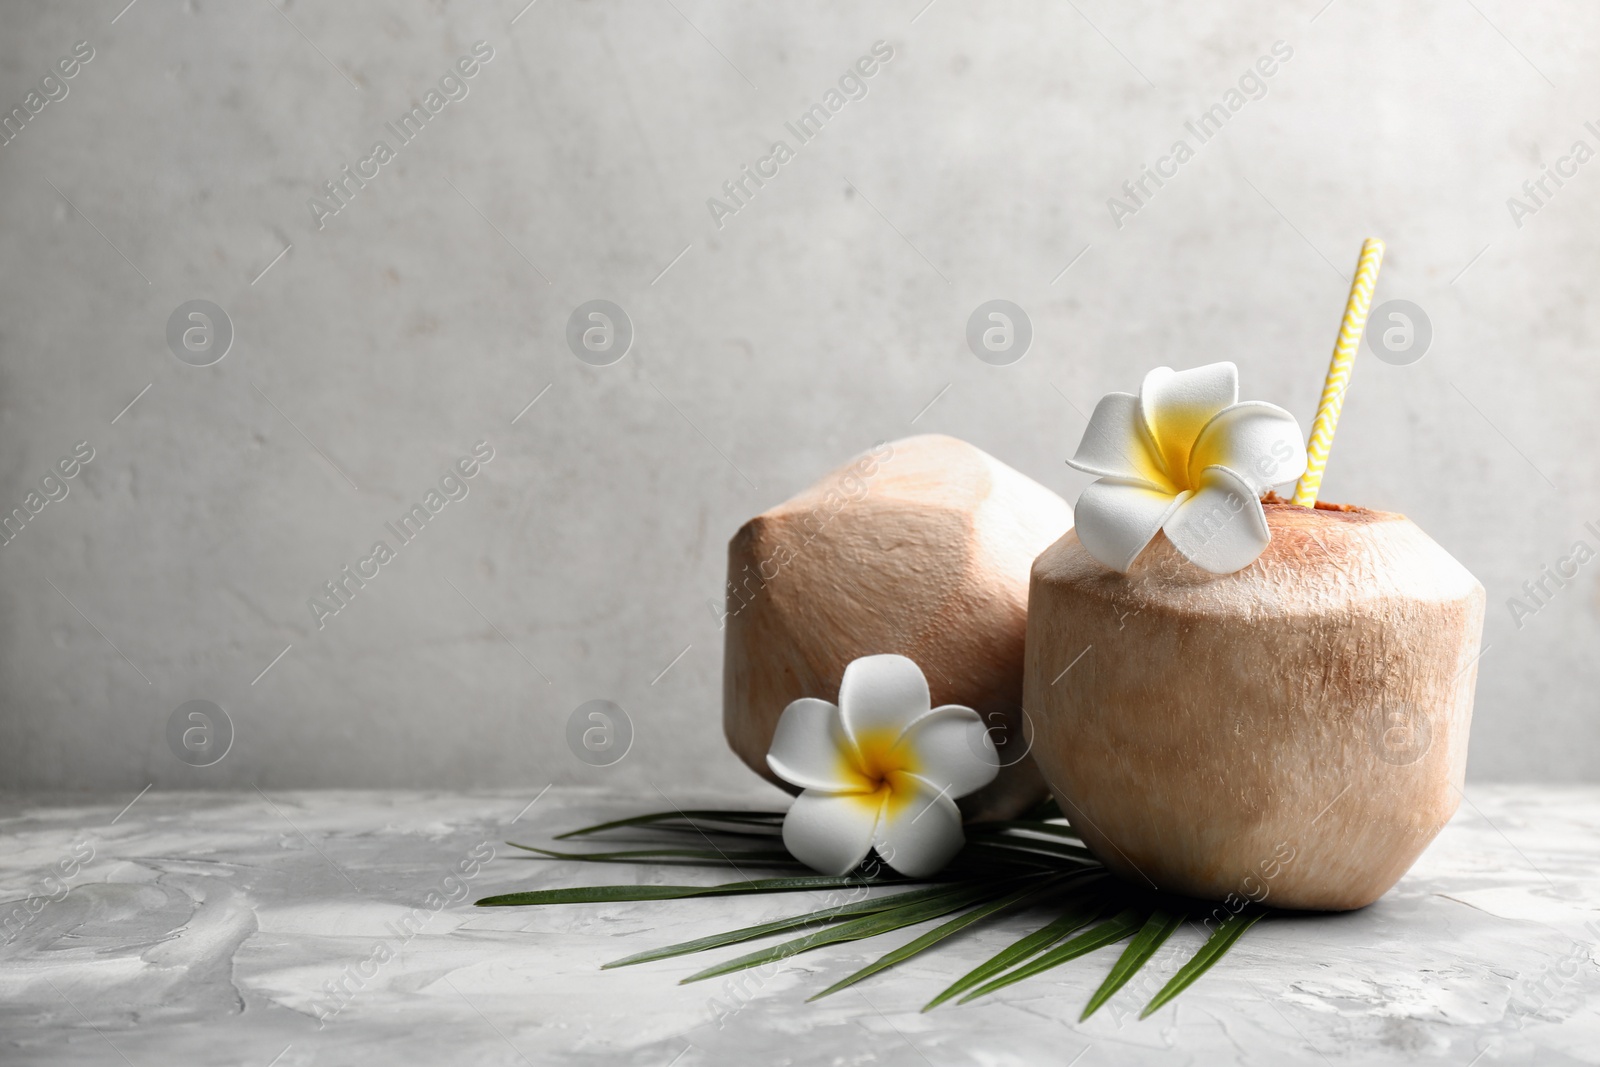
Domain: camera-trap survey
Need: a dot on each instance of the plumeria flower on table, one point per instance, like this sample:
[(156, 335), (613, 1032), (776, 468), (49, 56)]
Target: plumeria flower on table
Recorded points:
[(880, 770), (1186, 457)]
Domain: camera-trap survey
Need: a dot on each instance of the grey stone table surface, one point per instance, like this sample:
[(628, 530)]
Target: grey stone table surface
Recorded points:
[(209, 928)]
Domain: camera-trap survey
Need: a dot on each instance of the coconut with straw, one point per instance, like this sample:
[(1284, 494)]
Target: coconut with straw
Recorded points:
[(1292, 733)]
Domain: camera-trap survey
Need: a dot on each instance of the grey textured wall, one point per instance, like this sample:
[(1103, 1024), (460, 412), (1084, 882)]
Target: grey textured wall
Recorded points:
[(826, 313)]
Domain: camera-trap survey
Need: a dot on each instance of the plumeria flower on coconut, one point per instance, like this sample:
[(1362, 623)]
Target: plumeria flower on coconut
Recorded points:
[(1186, 457), (880, 770)]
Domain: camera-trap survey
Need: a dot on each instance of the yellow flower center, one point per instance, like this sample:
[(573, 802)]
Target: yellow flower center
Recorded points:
[(877, 769), (1175, 433)]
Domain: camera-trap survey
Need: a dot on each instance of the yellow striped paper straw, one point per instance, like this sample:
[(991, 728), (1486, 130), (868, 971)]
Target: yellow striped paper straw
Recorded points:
[(1356, 309)]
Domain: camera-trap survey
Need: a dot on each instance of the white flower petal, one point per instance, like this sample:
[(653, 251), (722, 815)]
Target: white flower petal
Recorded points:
[(1176, 404), (1260, 442), (1115, 444), (950, 747), (811, 750), (882, 695), (1115, 520), (920, 830), (832, 832), (1222, 527)]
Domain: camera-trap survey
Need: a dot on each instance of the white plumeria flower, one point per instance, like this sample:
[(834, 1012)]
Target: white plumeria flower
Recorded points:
[(881, 769), (1188, 458)]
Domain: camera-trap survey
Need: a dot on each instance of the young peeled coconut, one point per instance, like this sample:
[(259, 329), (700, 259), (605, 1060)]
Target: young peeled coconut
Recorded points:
[(1293, 733), (920, 547)]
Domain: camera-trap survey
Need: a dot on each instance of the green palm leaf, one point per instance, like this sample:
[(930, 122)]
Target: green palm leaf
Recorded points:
[(1079, 915), (752, 831), (1217, 945), (742, 818), (1016, 899), (853, 930), (1151, 936), (810, 918), (1122, 925), (1057, 829), (1036, 845), (717, 857), (982, 856), (605, 894), (1006, 865)]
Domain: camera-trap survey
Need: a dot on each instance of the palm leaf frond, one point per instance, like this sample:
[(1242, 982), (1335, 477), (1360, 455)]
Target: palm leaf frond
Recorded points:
[(854, 929), (1017, 898), (795, 922), (716, 857), (701, 815), (1151, 936), (1006, 867), (1077, 916), (1035, 826), (1217, 945), (1119, 926), (605, 894)]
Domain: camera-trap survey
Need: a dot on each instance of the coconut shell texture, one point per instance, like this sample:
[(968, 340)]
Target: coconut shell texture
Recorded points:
[(921, 547), (1294, 733)]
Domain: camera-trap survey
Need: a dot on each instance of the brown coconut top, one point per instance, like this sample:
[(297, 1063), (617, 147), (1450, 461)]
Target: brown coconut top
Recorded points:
[(1317, 558), (1353, 512)]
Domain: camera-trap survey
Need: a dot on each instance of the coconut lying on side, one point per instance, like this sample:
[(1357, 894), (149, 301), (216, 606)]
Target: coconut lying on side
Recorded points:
[(920, 547)]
